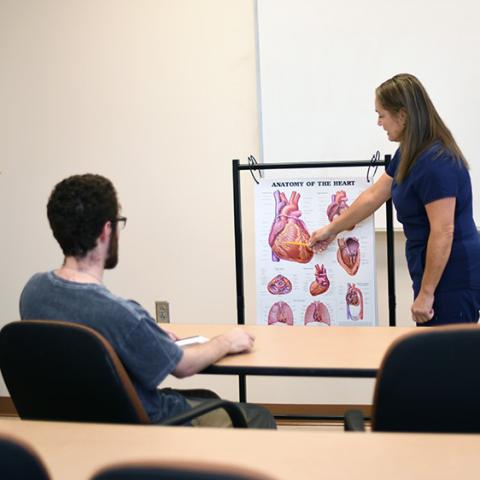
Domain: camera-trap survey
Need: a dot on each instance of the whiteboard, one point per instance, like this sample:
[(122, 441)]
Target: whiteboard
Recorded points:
[(319, 63)]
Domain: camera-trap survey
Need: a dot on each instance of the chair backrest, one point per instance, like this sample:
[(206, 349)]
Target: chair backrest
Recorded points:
[(429, 381), (64, 371), (164, 470), (18, 461)]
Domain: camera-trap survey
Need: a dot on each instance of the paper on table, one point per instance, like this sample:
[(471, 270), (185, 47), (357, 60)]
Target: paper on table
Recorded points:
[(191, 340)]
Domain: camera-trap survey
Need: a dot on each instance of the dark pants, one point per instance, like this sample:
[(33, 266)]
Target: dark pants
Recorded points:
[(457, 306), (256, 416)]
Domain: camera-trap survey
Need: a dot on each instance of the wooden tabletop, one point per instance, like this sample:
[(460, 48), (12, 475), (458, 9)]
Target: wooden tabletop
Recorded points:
[(334, 351), (75, 451)]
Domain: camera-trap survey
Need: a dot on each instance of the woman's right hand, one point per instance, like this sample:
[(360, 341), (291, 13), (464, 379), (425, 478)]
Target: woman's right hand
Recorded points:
[(320, 239)]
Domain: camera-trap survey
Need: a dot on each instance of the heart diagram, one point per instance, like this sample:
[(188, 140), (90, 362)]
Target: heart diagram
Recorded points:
[(287, 227), (321, 283), (279, 285), (354, 300), (296, 285), (348, 254), (337, 206)]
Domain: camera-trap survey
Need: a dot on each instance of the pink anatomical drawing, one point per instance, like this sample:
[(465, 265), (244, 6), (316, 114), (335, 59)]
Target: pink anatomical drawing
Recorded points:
[(321, 283), (317, 312), (296, 286), (287, 227), (279, 285), (348, 254), (354, 301), (337, 206), (281, 313)]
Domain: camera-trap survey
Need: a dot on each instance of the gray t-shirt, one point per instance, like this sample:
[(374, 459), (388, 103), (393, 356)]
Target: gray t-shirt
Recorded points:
[(145, 350)]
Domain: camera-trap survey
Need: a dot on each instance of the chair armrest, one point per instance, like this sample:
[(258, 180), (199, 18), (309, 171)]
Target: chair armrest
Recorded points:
[(233, 411), (353, 421)]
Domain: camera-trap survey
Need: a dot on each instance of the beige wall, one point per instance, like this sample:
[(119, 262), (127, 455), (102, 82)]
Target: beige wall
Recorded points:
[(158, 95)]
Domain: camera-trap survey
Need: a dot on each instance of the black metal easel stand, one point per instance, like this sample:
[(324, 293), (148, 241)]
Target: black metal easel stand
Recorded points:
[(236, 169)]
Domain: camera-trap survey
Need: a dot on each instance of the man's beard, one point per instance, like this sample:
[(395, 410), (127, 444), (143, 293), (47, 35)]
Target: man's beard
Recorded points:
[(112, 254)]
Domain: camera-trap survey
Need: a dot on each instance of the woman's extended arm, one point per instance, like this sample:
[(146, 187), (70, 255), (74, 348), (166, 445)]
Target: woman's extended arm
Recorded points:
[(368, 201), (441, 216)]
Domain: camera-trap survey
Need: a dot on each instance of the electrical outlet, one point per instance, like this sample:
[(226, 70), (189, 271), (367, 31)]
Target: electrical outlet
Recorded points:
[(162, 311)]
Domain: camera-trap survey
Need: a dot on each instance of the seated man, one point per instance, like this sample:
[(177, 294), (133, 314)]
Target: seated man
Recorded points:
[(83, 212)]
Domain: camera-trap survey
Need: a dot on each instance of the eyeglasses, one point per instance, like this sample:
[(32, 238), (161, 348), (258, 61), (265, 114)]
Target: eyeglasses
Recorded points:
[(121, 222)]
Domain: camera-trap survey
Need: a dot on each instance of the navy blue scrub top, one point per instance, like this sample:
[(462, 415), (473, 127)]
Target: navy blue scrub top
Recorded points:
[(436, 175)]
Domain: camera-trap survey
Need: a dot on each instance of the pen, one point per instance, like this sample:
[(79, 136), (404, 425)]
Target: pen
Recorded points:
[(301, 244)]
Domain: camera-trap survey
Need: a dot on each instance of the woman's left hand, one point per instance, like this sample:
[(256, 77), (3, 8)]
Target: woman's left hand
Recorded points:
[(422, 308)]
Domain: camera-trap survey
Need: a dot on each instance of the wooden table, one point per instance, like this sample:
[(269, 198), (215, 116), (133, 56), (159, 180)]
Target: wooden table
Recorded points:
[(304, 351), (75, 451)]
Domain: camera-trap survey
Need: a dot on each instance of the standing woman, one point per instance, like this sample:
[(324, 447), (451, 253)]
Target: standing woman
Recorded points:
[(429, 183)]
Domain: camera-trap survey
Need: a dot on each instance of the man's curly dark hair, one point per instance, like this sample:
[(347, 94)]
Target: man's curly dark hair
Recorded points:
[(77, 210)]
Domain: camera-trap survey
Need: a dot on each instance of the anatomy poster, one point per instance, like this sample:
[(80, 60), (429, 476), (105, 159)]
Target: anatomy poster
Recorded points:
[(296, 286)]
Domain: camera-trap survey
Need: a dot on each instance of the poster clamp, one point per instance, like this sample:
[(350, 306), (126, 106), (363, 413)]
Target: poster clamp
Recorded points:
[(253, 166)]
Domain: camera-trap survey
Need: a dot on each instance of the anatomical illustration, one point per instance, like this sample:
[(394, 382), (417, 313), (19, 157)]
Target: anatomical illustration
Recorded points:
[(348, 254), (287, 227), (280, 312), (296, 286), (317, 312), (337, 206), (321, 283), (279, 285), (354, 300)]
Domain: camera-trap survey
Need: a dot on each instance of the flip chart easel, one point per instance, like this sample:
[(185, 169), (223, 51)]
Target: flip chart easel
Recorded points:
[(237, 168)]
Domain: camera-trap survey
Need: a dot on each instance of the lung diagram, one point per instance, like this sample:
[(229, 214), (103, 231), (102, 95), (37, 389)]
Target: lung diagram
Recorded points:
[(317, 312), (281, 313), (287, 227)]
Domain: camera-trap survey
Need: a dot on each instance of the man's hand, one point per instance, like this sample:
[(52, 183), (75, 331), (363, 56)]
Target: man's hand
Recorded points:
[(197, 357), (320, 239), (422, 308), (239, 340)]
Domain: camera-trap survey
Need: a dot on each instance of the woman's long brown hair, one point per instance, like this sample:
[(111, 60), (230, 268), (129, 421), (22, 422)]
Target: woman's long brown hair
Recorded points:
[(423, 127)]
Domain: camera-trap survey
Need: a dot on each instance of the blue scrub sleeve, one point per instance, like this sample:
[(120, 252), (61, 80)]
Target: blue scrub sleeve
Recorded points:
[(393, 165), (438, 181)]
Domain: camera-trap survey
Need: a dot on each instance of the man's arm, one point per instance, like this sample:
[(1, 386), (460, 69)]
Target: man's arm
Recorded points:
[(198, 357)]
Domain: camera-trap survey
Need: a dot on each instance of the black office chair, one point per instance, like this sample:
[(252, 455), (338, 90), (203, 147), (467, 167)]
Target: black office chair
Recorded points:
[(178, 471), (429, 381), (69, 372), (18, 461)]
